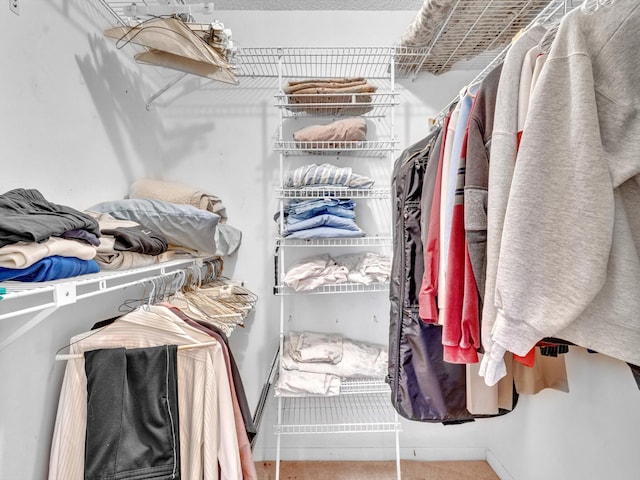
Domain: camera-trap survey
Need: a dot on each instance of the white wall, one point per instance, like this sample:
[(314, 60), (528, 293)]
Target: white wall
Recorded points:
[(75, 126), (592, 432)]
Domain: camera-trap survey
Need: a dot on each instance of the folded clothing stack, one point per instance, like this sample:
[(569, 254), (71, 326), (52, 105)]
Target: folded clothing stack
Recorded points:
[(41, 240), (327, 217), (192, 221), (330, 96), (317, 363), (126, 244), (319, 270), (227, 237)]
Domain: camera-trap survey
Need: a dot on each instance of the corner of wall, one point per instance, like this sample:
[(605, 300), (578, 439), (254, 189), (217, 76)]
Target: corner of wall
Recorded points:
[(497, 466)]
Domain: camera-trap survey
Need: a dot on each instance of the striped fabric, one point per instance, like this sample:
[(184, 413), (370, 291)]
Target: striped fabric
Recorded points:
[(324, 175)]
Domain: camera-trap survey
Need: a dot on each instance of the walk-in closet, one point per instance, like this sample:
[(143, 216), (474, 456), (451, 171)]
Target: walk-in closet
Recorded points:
[(300, 239)]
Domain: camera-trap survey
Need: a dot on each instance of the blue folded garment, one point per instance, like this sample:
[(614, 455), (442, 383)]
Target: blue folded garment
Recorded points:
[(309, 208), (50, 268), (324, 220), (330, 209), (326, 232)]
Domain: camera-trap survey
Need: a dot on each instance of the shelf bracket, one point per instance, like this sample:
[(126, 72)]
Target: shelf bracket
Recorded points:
[(153, 97), (64, 294), (27, 326)]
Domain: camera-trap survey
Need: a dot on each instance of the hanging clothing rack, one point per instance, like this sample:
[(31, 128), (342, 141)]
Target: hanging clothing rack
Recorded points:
[(72, 356)]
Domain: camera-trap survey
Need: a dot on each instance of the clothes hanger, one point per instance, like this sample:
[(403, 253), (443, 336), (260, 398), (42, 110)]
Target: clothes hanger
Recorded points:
[(547, 39), (208, 309), (591, 6), (213, 270), (194, 279), (171, 43), (213, 307), (159, 289), (231, 294), (208, 313), (238, 286)]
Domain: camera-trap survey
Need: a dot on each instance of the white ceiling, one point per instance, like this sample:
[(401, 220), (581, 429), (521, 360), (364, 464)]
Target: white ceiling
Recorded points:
[(412, 5)]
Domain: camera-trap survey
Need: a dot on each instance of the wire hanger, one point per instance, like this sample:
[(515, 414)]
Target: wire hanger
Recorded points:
[(591, 6), (160, 288)]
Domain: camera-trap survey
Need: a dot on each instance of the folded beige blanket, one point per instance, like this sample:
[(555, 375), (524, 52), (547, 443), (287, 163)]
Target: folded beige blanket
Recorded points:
[(179, 193), (346, 130)]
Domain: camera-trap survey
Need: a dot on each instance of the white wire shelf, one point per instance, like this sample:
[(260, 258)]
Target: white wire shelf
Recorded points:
[(347, 287), (316, 62), (354, 412), (364, 385), (373, 241), (366, 148), (322, 192), (468, 33), (28, 297), (333, 105), (131, 13)]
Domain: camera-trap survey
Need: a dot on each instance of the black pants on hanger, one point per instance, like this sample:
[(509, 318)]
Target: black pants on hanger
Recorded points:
[(132, 414)]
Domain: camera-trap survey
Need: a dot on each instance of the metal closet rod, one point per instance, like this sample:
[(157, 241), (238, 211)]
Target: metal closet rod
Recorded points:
[(77, 356)]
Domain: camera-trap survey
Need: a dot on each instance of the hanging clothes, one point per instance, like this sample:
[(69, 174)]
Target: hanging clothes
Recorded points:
[(529, 376), (461, 325), (428, 294), (423, 386), (245, 428), (476, 181), (208, 438), (132, 414), (504, 146), (575, 187)]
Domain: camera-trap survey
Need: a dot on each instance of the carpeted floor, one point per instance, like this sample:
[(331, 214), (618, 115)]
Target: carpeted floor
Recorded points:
[(411, 470)]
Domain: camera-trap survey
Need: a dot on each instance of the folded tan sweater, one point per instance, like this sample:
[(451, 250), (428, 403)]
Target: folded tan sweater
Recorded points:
[(295, 87), (346, 130), (348, 96)]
